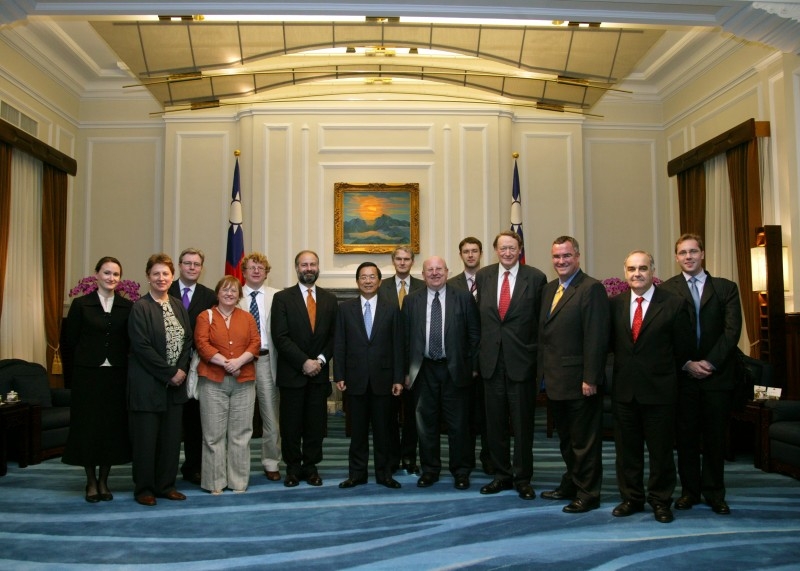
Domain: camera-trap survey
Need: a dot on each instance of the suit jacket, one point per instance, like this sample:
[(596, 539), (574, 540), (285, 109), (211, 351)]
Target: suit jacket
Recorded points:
[(202, 299), (462, 332), (648, 369), (148, 370), (293, 338), (389, 290), (720, 326), (518, 332), (91, 335), (269, 295), (377, 360), (573, 338)]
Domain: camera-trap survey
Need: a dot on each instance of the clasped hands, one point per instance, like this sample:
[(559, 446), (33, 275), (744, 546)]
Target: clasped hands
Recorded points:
[(699, 369)]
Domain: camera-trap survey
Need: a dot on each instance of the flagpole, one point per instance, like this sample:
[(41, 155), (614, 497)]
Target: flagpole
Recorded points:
[(516, 208)]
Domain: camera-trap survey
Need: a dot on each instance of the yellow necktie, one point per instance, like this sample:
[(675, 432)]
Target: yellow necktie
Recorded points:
[(559, 293), (401, 295)]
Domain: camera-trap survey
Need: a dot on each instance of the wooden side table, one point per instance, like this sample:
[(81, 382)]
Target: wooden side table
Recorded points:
[(15, 423)]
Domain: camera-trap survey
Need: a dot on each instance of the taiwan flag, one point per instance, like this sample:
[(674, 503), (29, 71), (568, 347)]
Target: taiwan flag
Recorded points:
[(516, 212), (235, 251)]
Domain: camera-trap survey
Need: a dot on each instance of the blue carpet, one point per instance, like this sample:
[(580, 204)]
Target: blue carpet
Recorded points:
[(45, 524)]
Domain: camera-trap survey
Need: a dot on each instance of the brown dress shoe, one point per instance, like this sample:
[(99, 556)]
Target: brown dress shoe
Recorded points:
[(146, 500), (174, 495), (273, 476)]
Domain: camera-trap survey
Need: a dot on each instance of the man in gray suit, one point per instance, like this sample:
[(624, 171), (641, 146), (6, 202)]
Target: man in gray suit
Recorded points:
[(442, 335), (573, 344), (509, 301)]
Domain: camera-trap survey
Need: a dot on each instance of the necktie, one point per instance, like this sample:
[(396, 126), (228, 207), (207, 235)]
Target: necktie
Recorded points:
[(637, 319), (473, 287), (311, 306), (368, 319), (185, 298), (559, 293), (435, 333), (254, 309), (401, 295), (505, 296), (696, 298)]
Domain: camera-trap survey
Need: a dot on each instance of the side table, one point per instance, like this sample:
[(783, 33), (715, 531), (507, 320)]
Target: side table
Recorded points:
[(752, 415), (15, 422)]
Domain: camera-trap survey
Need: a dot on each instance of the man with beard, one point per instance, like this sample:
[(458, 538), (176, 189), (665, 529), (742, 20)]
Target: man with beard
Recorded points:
[(303, 320)]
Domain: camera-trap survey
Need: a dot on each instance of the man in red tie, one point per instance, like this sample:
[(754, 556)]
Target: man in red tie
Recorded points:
[(651, 339), (509, 300)]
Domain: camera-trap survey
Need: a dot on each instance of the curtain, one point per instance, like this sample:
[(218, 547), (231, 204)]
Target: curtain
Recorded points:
[(692, 200), (720, 235), (5, 214), (54, 246), (743, 175), (22, 333)]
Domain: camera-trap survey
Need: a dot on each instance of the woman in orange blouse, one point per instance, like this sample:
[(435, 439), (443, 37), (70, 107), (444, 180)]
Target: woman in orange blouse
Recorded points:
[(227, 340)]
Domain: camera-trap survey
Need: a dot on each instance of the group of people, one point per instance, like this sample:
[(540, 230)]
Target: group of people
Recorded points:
[(467, 353)]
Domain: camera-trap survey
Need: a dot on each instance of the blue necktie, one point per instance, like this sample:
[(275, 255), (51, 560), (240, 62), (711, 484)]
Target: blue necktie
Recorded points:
[(254, 309), (435, 334), (368, 319), (696, 298)]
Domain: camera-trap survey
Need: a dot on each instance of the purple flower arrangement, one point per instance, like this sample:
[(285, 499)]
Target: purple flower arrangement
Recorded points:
[(126, 288), (616, 286)]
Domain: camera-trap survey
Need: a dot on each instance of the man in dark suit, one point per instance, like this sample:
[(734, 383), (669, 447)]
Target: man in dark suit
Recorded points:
[(705, 386), (509, 301), (442, 335), (573, 345), (368, 369), (471, 249), (650, 340), (404, 430), (196, 298), (303, 322)]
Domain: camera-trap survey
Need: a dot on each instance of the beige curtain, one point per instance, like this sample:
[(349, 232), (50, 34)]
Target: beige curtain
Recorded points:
[(5, 214)]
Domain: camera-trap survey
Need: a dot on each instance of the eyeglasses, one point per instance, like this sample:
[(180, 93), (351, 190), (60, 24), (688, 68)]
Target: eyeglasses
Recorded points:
[(256, 268), (192, 264), (367, 278), (684, 253)]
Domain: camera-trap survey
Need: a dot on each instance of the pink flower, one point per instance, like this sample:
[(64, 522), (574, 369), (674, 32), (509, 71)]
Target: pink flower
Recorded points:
[(125, 288), (616, 286)]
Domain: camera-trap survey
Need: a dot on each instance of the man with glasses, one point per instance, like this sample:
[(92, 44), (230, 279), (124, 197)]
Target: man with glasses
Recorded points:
[(257, 299), (368, 369), (705, 387), (196, 298), (509, 301)]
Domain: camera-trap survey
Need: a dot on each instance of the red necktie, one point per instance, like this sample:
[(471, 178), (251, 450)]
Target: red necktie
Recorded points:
[(637, 319), (505, 296)]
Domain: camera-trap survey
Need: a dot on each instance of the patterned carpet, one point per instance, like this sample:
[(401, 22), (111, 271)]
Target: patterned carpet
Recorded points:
[(45, 524)]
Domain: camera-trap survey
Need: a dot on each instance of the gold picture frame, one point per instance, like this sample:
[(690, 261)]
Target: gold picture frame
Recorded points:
[(375, 217)]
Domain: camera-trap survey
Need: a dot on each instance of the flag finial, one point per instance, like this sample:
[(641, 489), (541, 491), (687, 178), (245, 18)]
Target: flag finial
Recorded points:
[(515, 154), (237, 152)]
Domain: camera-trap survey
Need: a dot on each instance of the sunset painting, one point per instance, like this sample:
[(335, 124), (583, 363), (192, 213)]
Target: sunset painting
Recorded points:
[(375, 217)]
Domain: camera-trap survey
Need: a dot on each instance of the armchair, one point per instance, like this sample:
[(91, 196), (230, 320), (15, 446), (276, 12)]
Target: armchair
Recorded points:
[(31, 382), (781, 440)]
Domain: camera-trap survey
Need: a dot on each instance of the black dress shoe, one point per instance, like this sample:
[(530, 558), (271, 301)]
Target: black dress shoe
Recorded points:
[(314, 480), (410, 468), (627, 508), (557, 494), (579, 506), (291, 481), (662, 513), (427, 479), (106, 496), (496, 486), (92, 498), (390, 483), (352, 482), (526, 492), (719, 507), (462, 482), (685, 503)]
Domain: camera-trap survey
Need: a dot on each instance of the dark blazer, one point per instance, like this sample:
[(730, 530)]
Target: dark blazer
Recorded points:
[(720, 326), (292, 335), (376, 361), (518, 333), (389, 290), (459, 281), (203, 298), (462, 333), (648, 369), (573, 339), (91, 335), (148, 371)]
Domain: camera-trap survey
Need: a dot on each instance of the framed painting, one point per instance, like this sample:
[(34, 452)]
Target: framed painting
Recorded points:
[(375, 218)]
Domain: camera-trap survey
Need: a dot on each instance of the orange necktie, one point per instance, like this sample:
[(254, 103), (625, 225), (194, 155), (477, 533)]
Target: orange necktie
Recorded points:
[(311, 305)]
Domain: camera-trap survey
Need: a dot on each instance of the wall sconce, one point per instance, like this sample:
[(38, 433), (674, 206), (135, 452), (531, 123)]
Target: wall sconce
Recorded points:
[(758, 266)]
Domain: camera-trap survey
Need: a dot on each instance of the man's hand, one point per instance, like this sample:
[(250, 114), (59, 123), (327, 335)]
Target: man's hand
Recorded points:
[(588, 390), (397, 389), (311, 367), (699, 369), (341, 386), (178, 378)]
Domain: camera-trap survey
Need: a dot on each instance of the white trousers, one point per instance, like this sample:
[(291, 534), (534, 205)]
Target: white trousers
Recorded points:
[(268, 406)]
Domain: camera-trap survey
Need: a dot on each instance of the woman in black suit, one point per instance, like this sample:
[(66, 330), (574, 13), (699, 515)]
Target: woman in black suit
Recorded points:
[(96, 349), (161, 337)]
